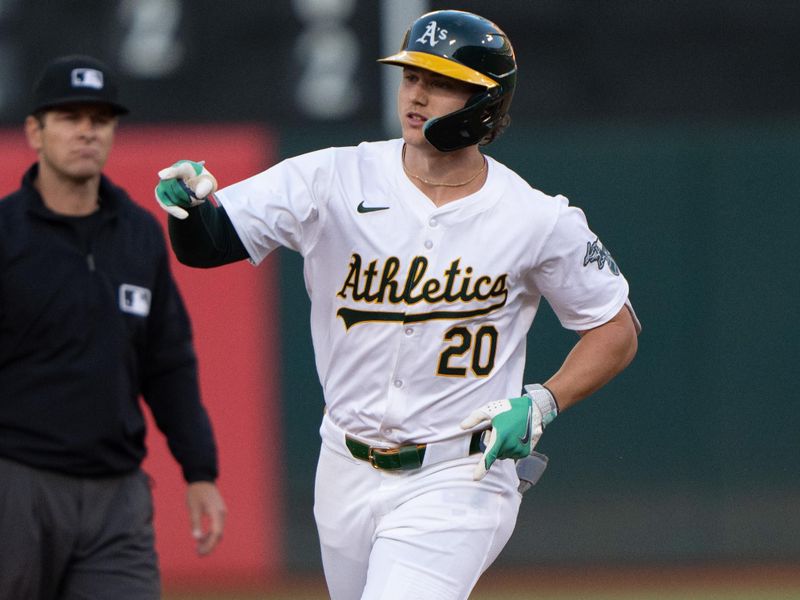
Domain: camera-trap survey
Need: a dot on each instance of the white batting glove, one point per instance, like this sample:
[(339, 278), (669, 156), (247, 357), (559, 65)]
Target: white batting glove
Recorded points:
[(516, 425), (184, 185)]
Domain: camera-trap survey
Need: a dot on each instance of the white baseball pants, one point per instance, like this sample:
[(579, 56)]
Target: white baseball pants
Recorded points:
[(426, 534)]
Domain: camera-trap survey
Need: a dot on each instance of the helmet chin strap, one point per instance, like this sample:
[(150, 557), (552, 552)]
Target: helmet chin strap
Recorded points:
[(464, 127)]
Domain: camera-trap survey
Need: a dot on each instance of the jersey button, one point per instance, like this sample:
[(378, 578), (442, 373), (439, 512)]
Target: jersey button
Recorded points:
[(428, 244), (433, 222), (398, 383), (409, 331)]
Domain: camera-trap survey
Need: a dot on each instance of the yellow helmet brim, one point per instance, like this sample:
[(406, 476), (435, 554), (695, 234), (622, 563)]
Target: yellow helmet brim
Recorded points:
[(442, 66)]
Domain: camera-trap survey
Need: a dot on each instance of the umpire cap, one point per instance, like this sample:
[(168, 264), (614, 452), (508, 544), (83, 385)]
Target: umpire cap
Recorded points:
[(76, 79)]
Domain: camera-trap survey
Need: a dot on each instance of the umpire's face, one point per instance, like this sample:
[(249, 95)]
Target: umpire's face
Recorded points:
[(73, 141), (425, 95)]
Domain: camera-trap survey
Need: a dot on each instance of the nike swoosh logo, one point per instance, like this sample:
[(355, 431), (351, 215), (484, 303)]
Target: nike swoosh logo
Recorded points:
[(367, 209), (527, 437)]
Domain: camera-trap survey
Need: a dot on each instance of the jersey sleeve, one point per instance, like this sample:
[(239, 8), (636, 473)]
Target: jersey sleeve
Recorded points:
[(282, 206), (577, 275)]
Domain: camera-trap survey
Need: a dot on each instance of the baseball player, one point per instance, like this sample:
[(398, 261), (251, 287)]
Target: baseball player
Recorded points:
[(425, 261)]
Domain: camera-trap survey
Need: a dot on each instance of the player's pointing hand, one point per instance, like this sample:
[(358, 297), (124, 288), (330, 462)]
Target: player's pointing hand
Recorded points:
[(183, 185), (516, 425)]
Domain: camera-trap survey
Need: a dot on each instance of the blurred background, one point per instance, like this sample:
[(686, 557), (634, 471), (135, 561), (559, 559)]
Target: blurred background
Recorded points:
[(674, 125)]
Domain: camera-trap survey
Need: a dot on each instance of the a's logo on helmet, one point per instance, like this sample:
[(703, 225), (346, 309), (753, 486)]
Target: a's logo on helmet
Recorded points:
[(432, 35)]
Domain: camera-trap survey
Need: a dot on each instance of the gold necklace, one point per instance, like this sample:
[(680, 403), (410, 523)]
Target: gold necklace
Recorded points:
[(441, 184)]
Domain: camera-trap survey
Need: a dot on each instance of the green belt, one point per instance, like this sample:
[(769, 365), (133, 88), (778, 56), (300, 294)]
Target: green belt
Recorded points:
[(402, 458)]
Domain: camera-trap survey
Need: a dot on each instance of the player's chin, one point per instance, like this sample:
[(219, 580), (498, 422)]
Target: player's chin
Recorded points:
[(415, 138), (413, 131)]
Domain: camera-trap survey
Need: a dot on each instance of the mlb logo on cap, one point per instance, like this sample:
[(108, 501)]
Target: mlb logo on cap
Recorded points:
[(87, 78)]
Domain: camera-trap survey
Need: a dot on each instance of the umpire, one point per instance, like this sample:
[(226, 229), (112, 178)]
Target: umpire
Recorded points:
[(90, 320)]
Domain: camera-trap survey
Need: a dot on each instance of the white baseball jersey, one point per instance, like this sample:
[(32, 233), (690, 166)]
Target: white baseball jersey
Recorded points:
[(419, 314)]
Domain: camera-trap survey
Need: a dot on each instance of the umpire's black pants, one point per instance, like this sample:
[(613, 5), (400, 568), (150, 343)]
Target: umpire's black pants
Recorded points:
[(73, 538)]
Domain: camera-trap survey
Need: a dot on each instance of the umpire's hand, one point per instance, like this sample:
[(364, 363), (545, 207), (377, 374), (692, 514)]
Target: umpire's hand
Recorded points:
[(207, 514)]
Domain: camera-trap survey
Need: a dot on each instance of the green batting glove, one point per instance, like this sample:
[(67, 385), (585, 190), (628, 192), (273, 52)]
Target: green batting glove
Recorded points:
[(516, 425), (183, 185)]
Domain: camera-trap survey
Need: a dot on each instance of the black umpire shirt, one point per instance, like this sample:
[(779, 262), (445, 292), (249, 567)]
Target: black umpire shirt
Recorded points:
[(90, 320)]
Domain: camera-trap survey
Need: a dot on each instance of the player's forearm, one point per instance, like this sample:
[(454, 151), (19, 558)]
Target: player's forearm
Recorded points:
[(596, 359), (206, 238)]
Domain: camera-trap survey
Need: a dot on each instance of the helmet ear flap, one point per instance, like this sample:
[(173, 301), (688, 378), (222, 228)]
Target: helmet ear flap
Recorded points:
[(466, 126)]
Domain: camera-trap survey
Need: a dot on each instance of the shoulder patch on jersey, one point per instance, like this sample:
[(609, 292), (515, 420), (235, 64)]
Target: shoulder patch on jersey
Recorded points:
[(597, 253)]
